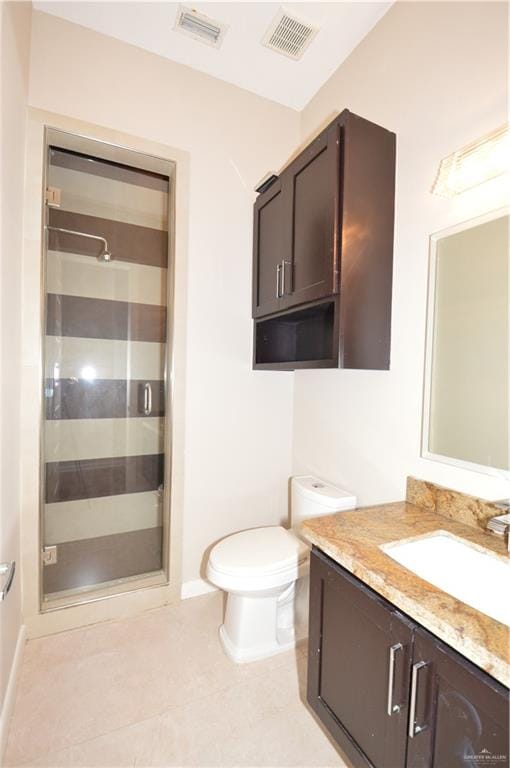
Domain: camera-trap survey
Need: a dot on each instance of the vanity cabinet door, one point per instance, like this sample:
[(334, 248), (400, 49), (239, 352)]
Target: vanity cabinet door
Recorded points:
[(360, 651), (460, 713)]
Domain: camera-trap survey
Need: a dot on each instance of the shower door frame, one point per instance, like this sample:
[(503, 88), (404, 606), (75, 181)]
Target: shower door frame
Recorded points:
[(122, 585)]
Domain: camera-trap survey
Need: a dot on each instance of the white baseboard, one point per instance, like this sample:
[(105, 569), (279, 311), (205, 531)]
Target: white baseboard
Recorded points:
[(10, 693), (195, 588)]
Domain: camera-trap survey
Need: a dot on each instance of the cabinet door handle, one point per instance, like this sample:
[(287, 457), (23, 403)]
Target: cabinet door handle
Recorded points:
[(278, 273), (147, 399), (283, 265), (391, 707), (413, 728)]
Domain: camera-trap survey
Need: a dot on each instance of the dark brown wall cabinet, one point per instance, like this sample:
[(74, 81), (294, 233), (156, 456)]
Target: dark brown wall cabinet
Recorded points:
[(390, 693), (323, 253)]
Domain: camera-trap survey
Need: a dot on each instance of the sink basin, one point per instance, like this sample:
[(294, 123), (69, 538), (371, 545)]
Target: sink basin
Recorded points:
[(469, 573)]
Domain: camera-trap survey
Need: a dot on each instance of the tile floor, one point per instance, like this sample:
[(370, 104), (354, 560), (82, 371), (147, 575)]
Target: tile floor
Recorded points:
[(157, 690)]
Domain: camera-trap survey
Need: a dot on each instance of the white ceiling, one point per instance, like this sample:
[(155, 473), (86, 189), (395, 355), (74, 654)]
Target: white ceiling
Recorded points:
[(241, 60)]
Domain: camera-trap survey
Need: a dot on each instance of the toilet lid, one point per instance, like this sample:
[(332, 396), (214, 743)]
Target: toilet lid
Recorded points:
[(260, 550)]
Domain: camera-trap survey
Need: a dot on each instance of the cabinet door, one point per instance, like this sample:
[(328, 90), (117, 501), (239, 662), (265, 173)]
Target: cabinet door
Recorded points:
[(271, 246), (315, 181), (460, 713), (359, 660)]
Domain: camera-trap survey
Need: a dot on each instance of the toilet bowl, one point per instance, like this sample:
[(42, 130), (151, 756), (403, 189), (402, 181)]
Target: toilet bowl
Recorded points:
[(264, 572)]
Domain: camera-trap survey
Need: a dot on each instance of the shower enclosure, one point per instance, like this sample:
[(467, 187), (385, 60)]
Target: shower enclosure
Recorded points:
[(105, 475)]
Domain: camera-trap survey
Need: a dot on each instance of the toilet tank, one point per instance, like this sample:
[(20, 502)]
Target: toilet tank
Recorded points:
[(311, 497)]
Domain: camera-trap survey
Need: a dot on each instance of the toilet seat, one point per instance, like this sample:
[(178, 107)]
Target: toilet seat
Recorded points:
[(257, 559)]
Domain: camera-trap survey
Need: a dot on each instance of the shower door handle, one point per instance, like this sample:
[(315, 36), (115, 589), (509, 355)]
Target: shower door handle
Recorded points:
[(147, 399)]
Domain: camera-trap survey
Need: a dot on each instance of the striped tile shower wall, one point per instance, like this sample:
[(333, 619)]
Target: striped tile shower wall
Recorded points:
[(105, 341)]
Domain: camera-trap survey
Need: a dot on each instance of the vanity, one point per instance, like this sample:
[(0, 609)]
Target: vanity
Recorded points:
[(401, 672)]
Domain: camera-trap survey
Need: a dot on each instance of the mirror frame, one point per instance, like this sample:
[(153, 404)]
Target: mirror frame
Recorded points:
[(429, 343)]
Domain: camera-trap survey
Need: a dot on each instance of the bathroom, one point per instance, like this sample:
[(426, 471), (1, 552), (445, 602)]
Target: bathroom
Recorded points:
[(114, 656)]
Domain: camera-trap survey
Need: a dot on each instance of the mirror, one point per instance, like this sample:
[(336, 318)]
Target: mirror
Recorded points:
[(466, 414)]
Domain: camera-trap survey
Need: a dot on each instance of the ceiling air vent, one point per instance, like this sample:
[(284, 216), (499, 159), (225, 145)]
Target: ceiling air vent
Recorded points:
[(289, 35), (199, 26)]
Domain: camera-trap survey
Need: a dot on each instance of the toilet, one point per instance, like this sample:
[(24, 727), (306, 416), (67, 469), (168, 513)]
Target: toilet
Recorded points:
[(264, 572)]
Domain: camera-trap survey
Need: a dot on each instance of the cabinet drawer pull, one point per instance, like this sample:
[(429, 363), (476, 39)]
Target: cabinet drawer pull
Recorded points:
[(413, 728), (391, 707), (278, 273)]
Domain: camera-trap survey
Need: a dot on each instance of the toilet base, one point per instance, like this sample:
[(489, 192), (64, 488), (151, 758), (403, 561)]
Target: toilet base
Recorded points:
[(254, 653), (263, 623)]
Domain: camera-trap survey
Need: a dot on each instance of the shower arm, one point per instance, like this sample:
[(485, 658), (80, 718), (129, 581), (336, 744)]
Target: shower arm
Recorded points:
[(104, 256)]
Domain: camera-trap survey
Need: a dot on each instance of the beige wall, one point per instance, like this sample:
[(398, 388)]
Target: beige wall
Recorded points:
[(436, 73), (237, 422), (15, 48)]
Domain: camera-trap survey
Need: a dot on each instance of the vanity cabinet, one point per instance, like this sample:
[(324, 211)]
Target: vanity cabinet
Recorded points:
[(351, 634), (323, 253), (388, 691)]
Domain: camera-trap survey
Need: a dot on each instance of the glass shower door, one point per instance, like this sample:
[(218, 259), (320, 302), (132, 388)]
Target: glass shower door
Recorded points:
[(106, 265)]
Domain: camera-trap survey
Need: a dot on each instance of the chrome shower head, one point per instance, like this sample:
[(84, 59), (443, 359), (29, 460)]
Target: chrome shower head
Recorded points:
[(104, 256)]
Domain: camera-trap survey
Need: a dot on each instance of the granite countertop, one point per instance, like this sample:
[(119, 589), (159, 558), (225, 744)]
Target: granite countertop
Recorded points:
[(353, 539)]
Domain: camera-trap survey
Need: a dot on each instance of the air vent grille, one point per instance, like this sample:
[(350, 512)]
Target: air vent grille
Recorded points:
[(289, 35), (200, 27)]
